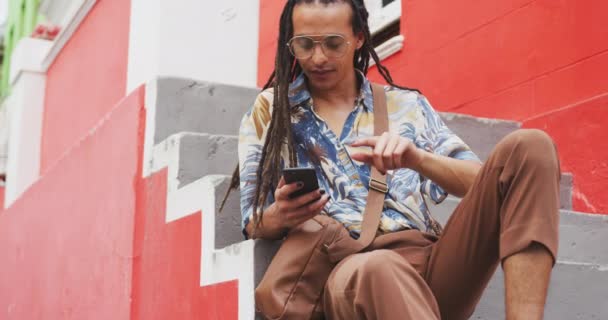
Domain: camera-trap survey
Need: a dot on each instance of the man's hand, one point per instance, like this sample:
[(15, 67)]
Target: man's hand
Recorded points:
[(292, 212), (286, 213), (389, 151)]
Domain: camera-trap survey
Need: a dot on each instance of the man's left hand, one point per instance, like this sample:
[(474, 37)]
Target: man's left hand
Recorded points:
[(389, 151)]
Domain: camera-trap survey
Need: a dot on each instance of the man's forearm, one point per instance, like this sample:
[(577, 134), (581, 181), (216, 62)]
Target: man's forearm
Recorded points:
[(453, 175)]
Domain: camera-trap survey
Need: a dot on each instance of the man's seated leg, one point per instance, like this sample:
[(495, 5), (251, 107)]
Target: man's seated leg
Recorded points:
[(378, 284), (512, 205)]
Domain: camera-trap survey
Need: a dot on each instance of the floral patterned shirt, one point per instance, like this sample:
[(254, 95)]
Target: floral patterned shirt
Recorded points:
[(346, 180)]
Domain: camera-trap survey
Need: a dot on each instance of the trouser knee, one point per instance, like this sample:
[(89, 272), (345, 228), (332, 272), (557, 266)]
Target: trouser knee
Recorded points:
[(531, 148)]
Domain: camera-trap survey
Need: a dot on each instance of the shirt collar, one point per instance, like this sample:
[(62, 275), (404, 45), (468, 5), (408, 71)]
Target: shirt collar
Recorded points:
[(298, 92)]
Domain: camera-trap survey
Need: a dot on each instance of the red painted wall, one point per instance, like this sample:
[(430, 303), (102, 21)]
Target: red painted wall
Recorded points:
[(89, 239), (166, 273), (96, 55), (590, 162), (67, 243), (513, 60)]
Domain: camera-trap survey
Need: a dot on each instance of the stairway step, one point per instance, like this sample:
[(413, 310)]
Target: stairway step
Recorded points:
[(577, 291), (183, 105), (199, 121), (202, 154), (583, 237), (577, 288), (481, 134), (206, 154)]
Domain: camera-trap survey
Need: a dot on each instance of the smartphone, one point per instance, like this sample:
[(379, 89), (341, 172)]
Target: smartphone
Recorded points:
[(307, 176)]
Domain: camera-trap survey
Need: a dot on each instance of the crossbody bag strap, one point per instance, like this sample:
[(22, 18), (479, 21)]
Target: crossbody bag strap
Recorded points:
[(377, 183)]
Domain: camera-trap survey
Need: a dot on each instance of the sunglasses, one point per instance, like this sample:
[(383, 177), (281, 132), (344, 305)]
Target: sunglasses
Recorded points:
[(303, 47)]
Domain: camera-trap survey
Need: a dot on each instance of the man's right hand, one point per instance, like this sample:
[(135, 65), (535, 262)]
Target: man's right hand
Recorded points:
[(286, 213)]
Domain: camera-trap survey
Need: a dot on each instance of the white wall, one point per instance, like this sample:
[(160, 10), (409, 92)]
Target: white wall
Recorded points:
[(199, 39), (25, 108), (144, 42)]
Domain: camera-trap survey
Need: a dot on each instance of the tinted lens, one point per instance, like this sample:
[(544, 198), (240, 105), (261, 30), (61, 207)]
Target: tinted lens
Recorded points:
[(334, 45), (302, 47)]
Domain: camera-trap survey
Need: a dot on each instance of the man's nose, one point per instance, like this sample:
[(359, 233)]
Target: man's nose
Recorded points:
[(318, 56)]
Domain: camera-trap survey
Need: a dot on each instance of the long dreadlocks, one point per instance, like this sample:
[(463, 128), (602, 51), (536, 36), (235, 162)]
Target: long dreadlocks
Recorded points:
[(285, 70)]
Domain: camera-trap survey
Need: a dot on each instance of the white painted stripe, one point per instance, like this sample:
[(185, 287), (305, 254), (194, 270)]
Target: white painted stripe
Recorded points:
[(150, 107), (235, 262), (25, 107)]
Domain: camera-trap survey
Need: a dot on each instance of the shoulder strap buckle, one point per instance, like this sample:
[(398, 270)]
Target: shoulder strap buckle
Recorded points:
[(378, 185)]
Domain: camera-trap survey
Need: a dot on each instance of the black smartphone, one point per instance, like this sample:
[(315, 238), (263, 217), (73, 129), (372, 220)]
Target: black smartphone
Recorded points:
[(307, 176)]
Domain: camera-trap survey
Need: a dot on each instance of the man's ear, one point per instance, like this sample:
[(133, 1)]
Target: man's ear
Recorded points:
[(360, 40)]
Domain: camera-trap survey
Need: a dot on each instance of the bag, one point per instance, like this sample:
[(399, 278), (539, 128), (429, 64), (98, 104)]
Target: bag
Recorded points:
[(293, 283), (292, 286)]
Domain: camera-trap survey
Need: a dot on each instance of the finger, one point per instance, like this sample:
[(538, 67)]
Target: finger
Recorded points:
[(363, 157), (387, 156), (305, 199), (308, 211), (318, 205), (398, 157), (365, 142), (379, 151), (284, 192), (279, 186)]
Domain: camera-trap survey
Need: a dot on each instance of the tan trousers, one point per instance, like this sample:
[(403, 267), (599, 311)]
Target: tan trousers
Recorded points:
[(513, 202)]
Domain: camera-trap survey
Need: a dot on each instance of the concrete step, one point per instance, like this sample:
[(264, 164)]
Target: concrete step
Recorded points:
[(578, 284), (583, 237), (182, 105), (199, 155), (184, 116), (577, 291)]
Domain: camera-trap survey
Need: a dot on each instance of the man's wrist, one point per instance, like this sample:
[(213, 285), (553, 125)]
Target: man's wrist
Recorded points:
[(421, 156), (270, 227), (278, 229)]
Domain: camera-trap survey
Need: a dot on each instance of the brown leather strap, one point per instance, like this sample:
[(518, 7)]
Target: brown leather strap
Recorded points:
[(377, 182)]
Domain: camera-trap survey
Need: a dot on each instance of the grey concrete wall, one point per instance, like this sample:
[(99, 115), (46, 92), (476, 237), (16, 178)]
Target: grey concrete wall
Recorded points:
[(480, 134), (184, 105), (228, 230), (228, 222), (203, 154)]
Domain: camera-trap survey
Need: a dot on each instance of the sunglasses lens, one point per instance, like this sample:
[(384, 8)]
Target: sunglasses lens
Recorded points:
[(302, 47), (334, 46)]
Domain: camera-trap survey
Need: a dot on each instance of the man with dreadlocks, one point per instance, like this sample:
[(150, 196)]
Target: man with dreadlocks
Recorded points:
[(317, 111)]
